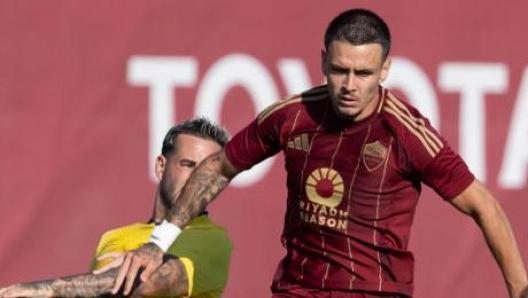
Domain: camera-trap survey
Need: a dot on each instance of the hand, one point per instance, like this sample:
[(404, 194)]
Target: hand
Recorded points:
[(149, 257)]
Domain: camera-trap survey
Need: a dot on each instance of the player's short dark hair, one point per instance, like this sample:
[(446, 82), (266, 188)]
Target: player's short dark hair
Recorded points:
[(359, 26), (199, 127)]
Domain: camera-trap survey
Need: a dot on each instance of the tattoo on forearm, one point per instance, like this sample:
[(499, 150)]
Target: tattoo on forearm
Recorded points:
[(201, 188), (84, 285)]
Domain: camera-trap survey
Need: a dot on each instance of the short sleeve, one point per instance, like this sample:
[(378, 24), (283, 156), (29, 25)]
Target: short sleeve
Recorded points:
[(427, 154), (447, 174), (256, 142), (121, 239)]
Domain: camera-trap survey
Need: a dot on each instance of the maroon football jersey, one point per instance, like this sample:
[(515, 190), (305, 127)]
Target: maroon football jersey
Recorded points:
[(352, 188)]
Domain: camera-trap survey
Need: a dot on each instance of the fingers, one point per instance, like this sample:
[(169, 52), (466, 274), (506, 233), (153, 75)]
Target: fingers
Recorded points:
[(135, 265), (113, 255), (145, 257), (118, 258), (127, 274), (121, 274)]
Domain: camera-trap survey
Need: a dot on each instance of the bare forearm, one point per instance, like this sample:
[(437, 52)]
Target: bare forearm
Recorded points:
[(480, 204), (206, 181), (502, 243), (83, 285)]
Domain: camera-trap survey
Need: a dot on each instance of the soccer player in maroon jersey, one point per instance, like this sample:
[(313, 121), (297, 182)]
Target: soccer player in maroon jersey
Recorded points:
[(356, 156)]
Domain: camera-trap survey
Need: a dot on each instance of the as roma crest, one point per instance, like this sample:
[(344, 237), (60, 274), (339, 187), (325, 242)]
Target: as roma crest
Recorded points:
[(374, 154)]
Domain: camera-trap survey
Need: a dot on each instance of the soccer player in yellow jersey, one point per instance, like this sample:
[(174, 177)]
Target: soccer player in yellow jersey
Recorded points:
[(196, 265)]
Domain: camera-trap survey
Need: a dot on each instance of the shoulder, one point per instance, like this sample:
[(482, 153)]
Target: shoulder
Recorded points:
[(409, 125), (399, 108), (202, 237), (295, 102), (202, 231), (204, 225)]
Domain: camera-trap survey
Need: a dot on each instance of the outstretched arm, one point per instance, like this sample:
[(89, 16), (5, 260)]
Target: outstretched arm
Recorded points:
[(478, 202), (169, 280), (83, 285)]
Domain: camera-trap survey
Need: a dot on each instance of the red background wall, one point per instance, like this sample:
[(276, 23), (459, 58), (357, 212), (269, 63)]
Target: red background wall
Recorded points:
[(74, 130)]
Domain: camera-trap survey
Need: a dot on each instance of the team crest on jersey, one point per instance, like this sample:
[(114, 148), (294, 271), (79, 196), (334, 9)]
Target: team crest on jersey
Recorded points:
[(374, 154)]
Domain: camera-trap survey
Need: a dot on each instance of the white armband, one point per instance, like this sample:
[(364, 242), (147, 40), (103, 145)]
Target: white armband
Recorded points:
[(164, 234)]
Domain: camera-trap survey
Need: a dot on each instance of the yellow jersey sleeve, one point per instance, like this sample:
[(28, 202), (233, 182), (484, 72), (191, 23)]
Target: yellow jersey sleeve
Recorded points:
[(121, 239)]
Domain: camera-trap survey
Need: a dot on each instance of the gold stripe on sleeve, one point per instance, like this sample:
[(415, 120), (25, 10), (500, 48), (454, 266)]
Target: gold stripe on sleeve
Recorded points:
[(415, 125)]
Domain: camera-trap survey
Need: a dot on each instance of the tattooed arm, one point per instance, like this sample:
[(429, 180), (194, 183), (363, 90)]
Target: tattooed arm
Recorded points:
[(203, 186), (83, 285), (169, 280)]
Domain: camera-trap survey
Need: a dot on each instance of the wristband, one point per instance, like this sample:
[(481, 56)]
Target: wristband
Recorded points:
[(164, 234)]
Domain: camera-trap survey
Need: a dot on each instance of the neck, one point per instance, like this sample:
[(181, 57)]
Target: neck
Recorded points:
[(159, 211)]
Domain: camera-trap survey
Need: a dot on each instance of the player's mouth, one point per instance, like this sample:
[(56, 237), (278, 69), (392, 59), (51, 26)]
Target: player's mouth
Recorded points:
[(348, 101)]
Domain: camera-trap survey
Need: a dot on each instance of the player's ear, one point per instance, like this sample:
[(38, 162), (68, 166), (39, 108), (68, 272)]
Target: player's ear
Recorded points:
[(324, 68), (385, 68), (159, 166)]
